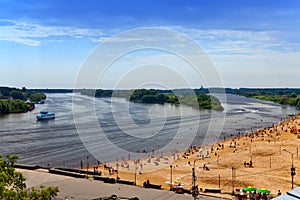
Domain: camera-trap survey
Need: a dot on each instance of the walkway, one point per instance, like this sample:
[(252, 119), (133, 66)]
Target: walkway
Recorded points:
[(85, 189)]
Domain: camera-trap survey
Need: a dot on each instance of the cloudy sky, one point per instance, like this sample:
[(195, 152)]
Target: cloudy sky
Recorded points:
[(45, 44)]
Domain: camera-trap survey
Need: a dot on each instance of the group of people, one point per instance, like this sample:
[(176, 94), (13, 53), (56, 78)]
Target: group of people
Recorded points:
[(253, 195), (146, 183), (260, 196), (249, 164)]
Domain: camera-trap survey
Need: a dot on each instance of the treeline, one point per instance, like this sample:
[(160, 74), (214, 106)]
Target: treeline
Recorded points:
[(50, 90), (20, 94), (96, 93), (151, 96), (286, 96), (195, 98), (204, 101), (14, 100), (263, 91)]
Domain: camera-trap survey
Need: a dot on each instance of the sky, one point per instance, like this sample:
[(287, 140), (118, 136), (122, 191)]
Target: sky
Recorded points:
[(47, 44)]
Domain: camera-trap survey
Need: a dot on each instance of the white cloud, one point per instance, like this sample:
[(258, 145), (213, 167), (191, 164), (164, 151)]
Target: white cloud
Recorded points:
[(212, 40), (32, 34), (237, 41)]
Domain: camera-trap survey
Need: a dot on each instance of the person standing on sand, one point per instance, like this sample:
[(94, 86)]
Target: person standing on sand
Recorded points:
[(279, 193), (252, 195)]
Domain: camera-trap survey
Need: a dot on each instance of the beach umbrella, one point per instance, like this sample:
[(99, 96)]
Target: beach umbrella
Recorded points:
[(249, 189), (263, 190)]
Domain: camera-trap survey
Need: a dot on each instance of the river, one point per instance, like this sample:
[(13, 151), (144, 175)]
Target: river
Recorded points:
[(104, 129)]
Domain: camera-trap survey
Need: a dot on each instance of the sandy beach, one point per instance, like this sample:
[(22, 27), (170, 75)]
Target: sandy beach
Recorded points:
[(226, 164)]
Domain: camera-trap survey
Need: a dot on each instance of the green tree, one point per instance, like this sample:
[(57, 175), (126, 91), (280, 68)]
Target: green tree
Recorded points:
[(24, 89), (4, 107), (17, 95), (35, 97), (13, 186), (149, 99), (161, 98)]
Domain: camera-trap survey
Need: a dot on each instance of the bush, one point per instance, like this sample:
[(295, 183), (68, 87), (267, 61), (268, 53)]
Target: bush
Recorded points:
[(13, 186)]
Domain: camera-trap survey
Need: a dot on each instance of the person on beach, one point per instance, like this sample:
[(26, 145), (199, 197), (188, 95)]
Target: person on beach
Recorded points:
[(279, 193), (258, 196), (252, 195)]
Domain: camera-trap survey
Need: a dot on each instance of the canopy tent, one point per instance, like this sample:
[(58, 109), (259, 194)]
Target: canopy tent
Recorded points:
[(263, 190), (290, 195), (285, 197), (294, 192), (249, 189)]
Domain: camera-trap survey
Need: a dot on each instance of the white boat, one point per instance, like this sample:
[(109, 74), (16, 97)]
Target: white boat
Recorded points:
[(45, 115), (41, 102)]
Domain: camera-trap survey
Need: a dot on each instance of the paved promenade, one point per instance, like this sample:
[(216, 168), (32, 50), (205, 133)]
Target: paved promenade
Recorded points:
[(80, 189)]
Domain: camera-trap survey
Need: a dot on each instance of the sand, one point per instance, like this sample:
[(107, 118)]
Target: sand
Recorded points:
[(270, 162)]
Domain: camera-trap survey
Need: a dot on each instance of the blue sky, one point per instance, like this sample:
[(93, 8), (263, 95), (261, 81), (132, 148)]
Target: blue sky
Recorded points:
[(252, 43)]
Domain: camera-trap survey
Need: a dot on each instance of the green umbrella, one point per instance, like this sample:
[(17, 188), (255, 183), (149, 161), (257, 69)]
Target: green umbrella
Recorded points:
[(249, 189), (263, 190)]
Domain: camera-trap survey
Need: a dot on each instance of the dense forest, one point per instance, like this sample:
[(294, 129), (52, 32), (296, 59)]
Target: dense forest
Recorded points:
[(14, 100), (47, 90), (154, 96), (286, 96)]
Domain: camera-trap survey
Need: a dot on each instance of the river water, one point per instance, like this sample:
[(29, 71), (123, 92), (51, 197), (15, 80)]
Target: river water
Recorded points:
[(90, 129)]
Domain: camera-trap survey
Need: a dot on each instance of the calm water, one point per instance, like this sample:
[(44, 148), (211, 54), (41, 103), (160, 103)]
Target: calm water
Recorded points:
[(109, 129)]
